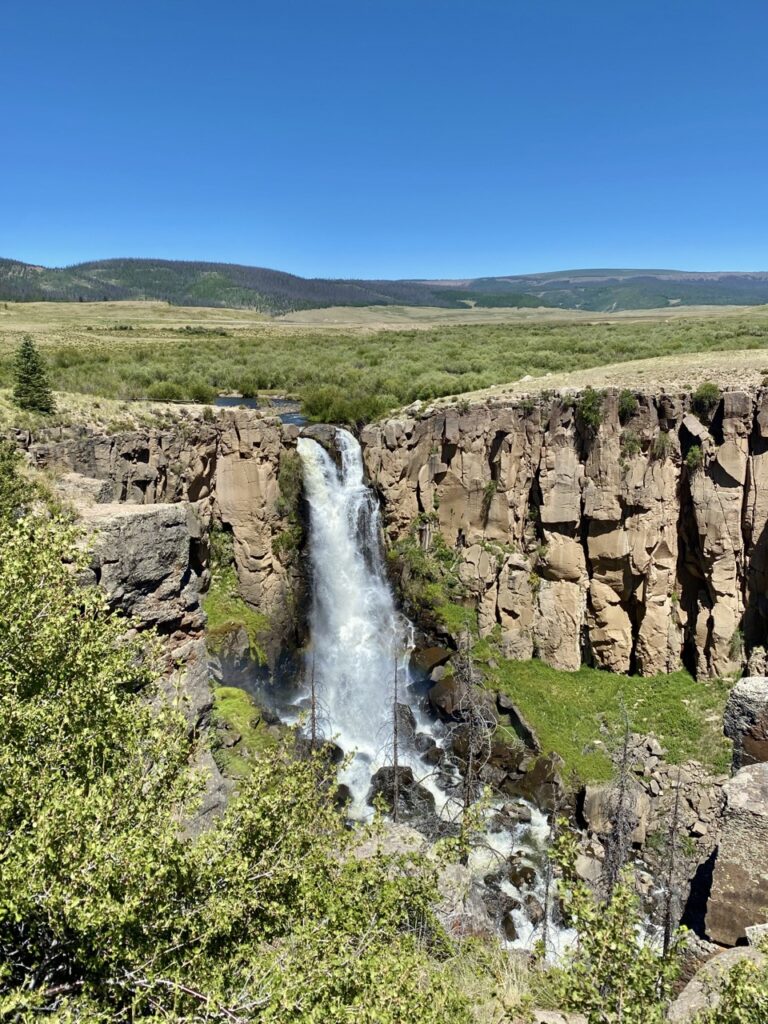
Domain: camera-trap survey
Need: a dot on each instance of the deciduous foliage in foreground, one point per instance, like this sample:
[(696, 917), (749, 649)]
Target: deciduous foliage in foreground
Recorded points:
[(109, 910)]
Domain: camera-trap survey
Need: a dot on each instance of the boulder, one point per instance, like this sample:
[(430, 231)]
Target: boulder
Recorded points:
[(414, 800), (746, 720), (739, 895), (426, 659), (702, 991), (599, 808), (462, 910), (446, 696)]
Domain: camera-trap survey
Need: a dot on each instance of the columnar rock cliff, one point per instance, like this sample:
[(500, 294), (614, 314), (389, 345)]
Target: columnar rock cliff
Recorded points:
[(604, 543)]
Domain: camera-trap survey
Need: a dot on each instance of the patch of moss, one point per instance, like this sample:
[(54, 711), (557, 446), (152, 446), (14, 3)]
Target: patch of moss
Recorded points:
[(236, 714), (578, 714), (227, 612)]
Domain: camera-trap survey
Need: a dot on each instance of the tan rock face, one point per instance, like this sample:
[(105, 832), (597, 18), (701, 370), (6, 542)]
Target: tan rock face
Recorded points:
[(739, 896), (599, 543)]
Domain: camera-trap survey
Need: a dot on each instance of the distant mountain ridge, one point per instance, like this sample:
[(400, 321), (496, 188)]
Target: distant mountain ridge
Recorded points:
[(192, 283)]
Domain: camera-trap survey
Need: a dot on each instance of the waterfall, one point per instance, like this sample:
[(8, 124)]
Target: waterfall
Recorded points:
[(360, 643), (359, 639)]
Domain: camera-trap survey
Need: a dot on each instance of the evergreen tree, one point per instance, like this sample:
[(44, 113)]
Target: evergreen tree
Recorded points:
[(31, 388)]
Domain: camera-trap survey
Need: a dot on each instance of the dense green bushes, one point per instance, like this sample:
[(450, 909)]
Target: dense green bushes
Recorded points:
[(109, 910), (349, 376)]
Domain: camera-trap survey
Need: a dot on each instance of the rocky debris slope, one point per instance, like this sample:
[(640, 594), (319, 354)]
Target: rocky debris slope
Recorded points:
[(633, 534)]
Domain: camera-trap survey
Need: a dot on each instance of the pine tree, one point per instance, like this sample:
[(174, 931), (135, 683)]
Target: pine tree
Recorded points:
[(31, 388)]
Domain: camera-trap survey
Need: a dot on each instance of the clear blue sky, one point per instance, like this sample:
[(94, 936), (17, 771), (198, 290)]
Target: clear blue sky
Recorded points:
[(393, 138)]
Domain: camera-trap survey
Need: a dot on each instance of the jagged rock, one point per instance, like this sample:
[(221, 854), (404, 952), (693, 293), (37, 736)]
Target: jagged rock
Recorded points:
[(746, 720), (739, 895), (446, 696), (702, 992), (414, 800), (150, 562), (635, 557)]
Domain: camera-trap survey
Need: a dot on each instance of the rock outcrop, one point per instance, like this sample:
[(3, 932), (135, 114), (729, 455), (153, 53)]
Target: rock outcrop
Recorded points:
[(702, 992), (224, 470), (638, 545), (739, 896), (746, 720)]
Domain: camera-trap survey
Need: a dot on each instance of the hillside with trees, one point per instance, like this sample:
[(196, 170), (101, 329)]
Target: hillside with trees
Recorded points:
[(188, 283)]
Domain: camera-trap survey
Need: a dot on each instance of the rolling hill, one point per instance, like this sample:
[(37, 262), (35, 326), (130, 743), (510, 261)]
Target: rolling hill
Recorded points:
[(186, 283)]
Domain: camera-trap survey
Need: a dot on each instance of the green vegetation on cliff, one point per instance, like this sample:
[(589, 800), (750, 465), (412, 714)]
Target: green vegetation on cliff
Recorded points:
[(226, 610), (243, 735), (579, 714)]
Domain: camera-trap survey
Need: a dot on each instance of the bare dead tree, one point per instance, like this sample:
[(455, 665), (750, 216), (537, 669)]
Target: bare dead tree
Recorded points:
[(476, 725), (312, 708), (395, 750), (618, 840), (671, 894)]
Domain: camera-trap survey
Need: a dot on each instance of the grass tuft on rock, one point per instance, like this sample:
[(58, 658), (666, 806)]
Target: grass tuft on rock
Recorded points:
[(237, 717)]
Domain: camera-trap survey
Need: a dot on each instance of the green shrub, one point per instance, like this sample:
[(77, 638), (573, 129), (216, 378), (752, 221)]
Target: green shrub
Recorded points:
[(694, 460), (589, 408), (662, 445), (488, 492), (202, 392), (706, 398), (630, 442), (743, 996), (612, 974), (627, 405), (165, 391)]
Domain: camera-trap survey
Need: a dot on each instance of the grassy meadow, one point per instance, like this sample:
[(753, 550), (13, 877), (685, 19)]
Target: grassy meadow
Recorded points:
[(341, 371)]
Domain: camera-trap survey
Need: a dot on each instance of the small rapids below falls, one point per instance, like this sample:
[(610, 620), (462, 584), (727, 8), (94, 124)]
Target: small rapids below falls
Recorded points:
[(357, 672)]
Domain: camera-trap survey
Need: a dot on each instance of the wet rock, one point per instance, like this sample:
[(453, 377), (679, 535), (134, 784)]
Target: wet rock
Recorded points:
[(446, 696), (517, 812), (426, 659), (746, 720), (521, 875), (414, 800), (406, 726), (739, 895), (541, 785)]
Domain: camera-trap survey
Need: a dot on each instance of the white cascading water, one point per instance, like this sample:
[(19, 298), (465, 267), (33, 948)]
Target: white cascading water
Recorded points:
[(359, 640), (358, 637)]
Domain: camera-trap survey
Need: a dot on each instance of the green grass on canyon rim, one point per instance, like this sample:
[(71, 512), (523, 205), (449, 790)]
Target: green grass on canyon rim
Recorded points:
[(343, 371), (579, 714)]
